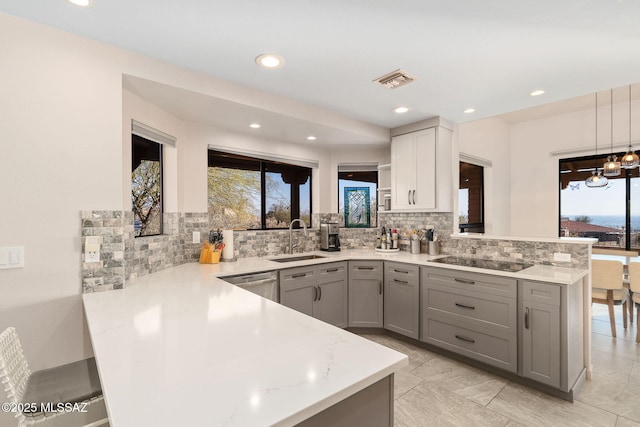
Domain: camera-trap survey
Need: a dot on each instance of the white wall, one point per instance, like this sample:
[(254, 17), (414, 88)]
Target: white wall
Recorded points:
[(488, 139)]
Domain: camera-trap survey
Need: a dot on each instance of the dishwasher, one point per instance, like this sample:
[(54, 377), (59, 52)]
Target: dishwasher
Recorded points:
[(264, 283)]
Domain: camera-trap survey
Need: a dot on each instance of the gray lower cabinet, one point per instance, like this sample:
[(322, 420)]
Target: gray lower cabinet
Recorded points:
[(471, 314), (319, 291), (551, 333), (402, 298), (366, 294)]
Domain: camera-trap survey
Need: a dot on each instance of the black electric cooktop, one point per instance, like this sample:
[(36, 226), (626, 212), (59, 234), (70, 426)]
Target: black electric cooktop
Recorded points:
[(483, 263)]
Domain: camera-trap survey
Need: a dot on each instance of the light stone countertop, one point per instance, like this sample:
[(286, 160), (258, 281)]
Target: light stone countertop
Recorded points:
[(182, 347)]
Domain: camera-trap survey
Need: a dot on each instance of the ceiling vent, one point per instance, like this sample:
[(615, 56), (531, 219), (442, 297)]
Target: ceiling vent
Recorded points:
[(395, 79)]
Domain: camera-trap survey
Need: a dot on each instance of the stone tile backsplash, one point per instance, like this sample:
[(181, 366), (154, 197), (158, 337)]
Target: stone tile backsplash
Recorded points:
[(125, 257)]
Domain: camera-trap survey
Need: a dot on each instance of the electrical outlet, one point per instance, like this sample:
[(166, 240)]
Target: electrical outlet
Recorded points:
[(195, 238), (561, 257), (12, 257)]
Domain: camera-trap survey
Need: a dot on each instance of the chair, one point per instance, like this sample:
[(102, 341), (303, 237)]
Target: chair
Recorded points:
[(50, 389), (607, 288), (634, 282)]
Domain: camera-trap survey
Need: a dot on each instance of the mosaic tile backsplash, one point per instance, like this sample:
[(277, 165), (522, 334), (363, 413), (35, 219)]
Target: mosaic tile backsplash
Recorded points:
[(125, 257)]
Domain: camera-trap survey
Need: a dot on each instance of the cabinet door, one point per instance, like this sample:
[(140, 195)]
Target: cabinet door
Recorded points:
[(425, 170), (403, 171), (297, 289), (541, 342), (366, 294), (331, 301), (402, 299)]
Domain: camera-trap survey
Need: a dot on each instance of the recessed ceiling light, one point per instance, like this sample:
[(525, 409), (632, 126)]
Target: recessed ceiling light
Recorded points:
[(470, 110), (537, 92), (254, 125), (81, 3), (270, 61), (400, 110), (311, 138)]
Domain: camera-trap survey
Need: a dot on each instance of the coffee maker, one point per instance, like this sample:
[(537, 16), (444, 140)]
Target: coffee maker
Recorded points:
[(329, 239)]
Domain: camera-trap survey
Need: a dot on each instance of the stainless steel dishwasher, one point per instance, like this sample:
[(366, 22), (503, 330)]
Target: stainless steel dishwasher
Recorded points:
[(264, 283)]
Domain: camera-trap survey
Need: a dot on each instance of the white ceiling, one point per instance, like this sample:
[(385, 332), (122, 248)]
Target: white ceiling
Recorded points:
[(467, 53)]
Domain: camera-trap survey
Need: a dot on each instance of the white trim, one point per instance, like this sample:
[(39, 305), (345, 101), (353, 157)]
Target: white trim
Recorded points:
[(623, 146), (152, 134), (307, 163), (479, 161), (358, 167)]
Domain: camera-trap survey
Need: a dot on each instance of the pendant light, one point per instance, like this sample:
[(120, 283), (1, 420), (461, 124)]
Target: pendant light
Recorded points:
[(611, 167), (631, 159), (596, 180)]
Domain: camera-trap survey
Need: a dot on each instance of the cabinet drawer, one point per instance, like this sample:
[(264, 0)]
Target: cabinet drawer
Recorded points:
[(333, 269), (364, 269), (401, 271), (296, 274), (491, 311), (542, 293), (496, 350), (478, 282)]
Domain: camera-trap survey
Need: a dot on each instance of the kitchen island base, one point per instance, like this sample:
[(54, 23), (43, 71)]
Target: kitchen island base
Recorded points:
[(372, 407)]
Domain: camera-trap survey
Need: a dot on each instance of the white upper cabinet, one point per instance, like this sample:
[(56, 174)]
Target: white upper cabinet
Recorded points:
[(421, 171)]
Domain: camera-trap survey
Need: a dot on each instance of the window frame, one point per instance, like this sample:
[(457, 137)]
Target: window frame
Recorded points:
[(599, 159), (265, 166), (160, 179), (478, 227)]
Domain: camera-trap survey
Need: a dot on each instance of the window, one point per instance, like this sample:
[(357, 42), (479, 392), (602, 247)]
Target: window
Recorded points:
[(357, 195), (471, 198), (610, 214), (146, 186), (250, 193)]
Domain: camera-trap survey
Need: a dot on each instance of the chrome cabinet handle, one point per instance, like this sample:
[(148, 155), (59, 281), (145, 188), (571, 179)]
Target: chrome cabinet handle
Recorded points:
[(295, 276), (470, 307), (404, 282), (463, 338), (365, 268), (319, 293), (414, 197), (380, 287), (315, 293), (409, 197), (526, 317), (401, 271), (332, 270), (468, 282)]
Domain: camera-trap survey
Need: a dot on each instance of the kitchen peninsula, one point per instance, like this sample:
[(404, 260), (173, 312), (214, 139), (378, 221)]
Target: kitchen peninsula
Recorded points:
[(180, 346)]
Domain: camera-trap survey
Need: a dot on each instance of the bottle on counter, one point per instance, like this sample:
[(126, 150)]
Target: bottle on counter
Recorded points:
[(383, 239)]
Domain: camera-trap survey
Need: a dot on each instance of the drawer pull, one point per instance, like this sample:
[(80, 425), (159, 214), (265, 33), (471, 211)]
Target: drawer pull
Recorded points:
[(470, 307), (404, 282), (401, 271), (380, 287), (295, 276), (463, 338), (526, 317), (319, 293), (365, 268), (468, 282), (315, 293), (332, 270)]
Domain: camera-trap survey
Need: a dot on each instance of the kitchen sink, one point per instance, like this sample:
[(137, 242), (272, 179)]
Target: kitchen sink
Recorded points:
[(297, 258)]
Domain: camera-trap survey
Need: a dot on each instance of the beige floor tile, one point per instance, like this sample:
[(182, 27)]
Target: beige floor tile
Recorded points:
[(464, 380), (442, 408), (612, 365), (623, 422), (534, 408), (403, 382)]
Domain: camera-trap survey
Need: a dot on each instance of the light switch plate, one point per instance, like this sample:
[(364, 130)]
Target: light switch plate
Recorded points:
[(12, 257), (561, 257)]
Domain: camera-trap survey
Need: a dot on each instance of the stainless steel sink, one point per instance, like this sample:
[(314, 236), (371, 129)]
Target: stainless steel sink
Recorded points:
[(297, 258)]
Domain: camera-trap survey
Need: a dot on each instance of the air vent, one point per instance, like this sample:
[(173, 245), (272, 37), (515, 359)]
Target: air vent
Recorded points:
[(395, 79)]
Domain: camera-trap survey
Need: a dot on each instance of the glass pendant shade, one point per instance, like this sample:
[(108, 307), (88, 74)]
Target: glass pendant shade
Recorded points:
[(612, 167), (630, 160), (596, 180)]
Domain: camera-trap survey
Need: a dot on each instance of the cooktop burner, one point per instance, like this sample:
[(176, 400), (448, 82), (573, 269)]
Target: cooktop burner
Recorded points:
[(484, 263)]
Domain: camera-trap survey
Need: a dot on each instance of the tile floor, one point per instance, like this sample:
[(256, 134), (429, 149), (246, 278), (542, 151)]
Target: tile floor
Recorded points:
[(436, 391)]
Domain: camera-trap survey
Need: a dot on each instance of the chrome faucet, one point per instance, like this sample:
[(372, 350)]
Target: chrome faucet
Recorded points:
[(306, 233)]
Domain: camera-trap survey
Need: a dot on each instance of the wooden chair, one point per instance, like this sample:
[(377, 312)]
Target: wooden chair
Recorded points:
[(634, 282), (612, 251), (607, 288), (73, 383)]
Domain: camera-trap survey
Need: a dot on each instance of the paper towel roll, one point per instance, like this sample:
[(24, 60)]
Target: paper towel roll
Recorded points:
[(227, 239)]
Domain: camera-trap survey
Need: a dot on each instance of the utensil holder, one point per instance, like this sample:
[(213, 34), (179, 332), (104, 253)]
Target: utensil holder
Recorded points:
[(434, 248), (415, 246)]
